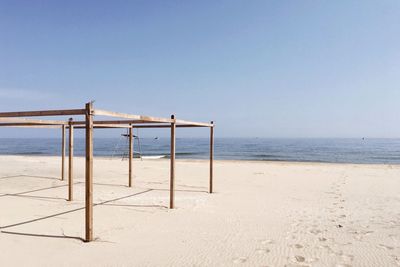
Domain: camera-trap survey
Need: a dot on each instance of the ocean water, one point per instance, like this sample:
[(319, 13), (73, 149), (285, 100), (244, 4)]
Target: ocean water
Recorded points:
[(306, 150)]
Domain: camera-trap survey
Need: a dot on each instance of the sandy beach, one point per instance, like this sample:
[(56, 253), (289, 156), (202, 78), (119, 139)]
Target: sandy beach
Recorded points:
[(262, 214)]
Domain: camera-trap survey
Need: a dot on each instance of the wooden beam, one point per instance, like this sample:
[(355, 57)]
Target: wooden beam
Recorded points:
[(211, 158), (24, 121), (152, 126), (62, 152), (43, 113), (111, 126), (105, 126), (113, 122), (166, 126), (130, 155), (201, 124), (172, 165), (89, 174), (99, 112), (179, 123), (71, 161), (18, 125), (191, 126)]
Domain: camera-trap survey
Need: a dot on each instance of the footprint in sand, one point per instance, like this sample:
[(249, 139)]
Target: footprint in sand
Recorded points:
[(347, 257), (266, 241), (396, 259), (290, 237), (386, 247), (240, 260), (298, 246), (262, 251), (322, 239), (299, 258), (296, 261), (315, 231)]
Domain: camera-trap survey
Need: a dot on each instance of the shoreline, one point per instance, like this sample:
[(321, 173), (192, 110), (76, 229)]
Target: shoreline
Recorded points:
[(215, 160)]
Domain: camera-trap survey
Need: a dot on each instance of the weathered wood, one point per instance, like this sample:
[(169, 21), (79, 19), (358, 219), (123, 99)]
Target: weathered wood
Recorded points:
[(142, 126), (89, 174), (152, 126), (130, 155), (62, 152), (99, 112), (71, 161), (105, 126), (24, 121), (167, 126), (203, 124), (35, 113), (172, 165), (211, 158), (181, 123), (28, 125), (112, 122)]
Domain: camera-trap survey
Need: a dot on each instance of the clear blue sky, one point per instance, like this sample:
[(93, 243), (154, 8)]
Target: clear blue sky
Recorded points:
[(258, 68)]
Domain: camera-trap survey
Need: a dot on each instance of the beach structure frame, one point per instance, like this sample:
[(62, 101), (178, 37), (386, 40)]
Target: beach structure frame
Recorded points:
[(120, 120)]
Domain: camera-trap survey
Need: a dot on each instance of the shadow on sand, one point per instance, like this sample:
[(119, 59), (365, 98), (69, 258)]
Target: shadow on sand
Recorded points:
[(31, 176), (105, 203), (58, 214)]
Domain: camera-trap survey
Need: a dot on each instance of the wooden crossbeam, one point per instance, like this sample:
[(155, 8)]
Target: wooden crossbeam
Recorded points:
[(31, 121), (61, 112), (30, 126), (167, 126), (100, 112), (105, 126), (127, 122), (201, 124)]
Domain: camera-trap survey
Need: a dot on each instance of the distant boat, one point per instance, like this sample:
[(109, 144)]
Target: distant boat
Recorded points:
[(156, 138), (154, 157)]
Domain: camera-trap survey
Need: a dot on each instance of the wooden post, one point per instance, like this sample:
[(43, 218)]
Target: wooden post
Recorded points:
[(62, 152), (70, 161), (172, 167), (89, 174), (211, 157), (130, 155)]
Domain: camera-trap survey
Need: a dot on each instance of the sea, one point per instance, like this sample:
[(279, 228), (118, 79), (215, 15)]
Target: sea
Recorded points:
[(357, 150)]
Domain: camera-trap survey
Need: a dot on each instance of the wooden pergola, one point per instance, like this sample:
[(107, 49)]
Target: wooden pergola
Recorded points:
[(120, 120)]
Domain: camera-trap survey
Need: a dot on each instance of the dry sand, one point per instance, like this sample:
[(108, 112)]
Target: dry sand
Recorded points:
[(262, 214)]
